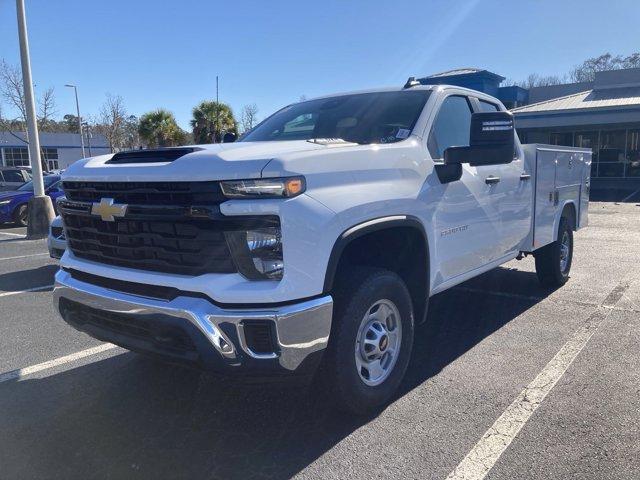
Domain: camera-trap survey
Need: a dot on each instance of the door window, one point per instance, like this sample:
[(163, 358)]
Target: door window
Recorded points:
[(13, 176), (451, 127)]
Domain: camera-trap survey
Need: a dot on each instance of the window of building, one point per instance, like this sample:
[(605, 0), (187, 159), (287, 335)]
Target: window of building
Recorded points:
[(50, 155), (611, 154), (561, 138), (451, 127), (16, 157), (589, 140), (633, 153)]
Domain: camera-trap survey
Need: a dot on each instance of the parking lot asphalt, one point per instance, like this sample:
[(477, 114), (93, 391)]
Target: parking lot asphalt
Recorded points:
[(115, 414)]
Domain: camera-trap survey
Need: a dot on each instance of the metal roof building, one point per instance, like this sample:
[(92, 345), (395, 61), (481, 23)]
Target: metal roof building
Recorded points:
[(603, 115)]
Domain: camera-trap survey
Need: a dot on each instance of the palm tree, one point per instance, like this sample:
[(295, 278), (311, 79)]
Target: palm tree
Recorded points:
[(211, 120), (159, 129)]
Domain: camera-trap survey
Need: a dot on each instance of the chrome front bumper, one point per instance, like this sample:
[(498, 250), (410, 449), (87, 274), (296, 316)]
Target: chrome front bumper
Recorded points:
[(301, 329)]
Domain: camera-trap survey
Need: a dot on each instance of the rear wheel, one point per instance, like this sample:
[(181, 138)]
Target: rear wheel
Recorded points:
[(21, 215), (371, 340), (553, 262)]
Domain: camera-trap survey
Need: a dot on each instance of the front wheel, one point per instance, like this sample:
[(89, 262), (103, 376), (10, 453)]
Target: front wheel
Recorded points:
[(553, 262), (371, 340)]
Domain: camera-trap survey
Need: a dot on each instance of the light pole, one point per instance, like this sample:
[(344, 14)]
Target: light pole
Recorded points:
[(79, 118), (87, 129), (40, 207)]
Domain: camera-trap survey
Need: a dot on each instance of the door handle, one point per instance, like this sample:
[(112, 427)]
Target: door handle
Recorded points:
[(491, 179), (525, 176)]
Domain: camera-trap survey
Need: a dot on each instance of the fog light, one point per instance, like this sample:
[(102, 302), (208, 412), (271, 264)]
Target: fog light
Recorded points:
[(257, 253)]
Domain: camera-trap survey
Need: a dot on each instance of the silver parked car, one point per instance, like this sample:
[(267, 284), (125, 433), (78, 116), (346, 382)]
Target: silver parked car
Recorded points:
[(56, 241)]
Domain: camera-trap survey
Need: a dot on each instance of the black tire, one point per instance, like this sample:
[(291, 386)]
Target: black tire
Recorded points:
[(354, 298), (552, 266), (21, 215)]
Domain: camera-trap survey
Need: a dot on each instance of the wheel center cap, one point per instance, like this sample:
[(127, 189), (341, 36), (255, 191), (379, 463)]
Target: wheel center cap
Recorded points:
[(384, 343)]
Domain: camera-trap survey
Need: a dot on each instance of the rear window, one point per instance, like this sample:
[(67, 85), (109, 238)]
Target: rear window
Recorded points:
[(488, 106)]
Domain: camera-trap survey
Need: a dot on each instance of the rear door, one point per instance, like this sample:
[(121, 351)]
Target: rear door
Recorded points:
[(512, 193), (466, 219)]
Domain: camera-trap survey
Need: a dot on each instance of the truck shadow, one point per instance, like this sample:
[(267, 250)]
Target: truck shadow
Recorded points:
[(28, 278), (130, 417)]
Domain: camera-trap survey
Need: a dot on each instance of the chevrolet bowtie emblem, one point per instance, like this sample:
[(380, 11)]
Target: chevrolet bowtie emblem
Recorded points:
[(107, 210)]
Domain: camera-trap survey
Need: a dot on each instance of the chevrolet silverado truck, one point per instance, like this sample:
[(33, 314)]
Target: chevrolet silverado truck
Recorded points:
[(312, 244)]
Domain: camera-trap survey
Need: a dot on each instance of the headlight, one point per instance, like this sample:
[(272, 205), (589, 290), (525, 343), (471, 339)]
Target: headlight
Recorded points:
[(5, 202), (257, 252), (264, 187)]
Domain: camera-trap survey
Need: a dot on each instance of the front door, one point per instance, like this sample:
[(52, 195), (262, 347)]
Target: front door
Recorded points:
[(467, 217)]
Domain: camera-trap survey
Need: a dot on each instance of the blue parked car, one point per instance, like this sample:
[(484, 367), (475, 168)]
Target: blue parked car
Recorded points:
[(13, 205)]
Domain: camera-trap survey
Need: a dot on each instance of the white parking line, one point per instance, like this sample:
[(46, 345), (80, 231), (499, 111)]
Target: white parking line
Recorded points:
[(24, 256), (13, 234), (484, 455), (22, 372), (34, 289)]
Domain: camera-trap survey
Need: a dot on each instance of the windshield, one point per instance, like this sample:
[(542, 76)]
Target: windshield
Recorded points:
[(381, 117), (48, 181)]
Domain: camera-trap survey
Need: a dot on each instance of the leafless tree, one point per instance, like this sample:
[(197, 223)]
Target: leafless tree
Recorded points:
[(12, 89), (586, 71), (535, 80), (249, 117), (112, 121), (47, 107), (131, 135)]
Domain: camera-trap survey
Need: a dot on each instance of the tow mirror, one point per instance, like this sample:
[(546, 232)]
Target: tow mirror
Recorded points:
[(491, 141), (229, 137)]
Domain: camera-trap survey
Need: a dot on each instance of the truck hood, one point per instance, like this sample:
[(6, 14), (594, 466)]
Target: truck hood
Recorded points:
[(225, 161)]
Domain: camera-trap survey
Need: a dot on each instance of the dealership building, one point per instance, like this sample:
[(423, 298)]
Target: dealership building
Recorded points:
[(603, 115), (59, 150)]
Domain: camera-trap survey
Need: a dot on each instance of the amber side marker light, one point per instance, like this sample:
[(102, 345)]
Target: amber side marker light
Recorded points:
[(294, 186)]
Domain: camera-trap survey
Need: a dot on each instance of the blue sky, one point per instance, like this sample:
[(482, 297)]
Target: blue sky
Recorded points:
[(167, 54)]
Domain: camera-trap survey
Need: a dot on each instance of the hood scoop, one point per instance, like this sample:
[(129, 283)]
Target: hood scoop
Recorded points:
[(158, 155)]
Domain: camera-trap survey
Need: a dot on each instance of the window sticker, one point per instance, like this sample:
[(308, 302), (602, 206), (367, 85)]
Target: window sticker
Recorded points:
[(403, 133)]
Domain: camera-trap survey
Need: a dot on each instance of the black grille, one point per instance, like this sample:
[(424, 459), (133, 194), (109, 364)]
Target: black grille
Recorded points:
[(146, 193), (171, 227), (191, 247)]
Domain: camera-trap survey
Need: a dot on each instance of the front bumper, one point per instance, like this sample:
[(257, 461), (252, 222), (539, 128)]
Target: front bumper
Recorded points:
[(193, 330)]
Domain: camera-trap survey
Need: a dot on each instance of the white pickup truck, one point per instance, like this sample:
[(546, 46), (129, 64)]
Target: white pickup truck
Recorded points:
[(313, 243)]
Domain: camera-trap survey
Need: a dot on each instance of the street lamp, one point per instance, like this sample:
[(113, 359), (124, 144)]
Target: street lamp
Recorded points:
[(40, 206), (79, 119), (87, 130)]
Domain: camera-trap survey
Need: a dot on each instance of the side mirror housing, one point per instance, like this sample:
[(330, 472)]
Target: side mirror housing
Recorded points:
[(491, 141), (229, 137)]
